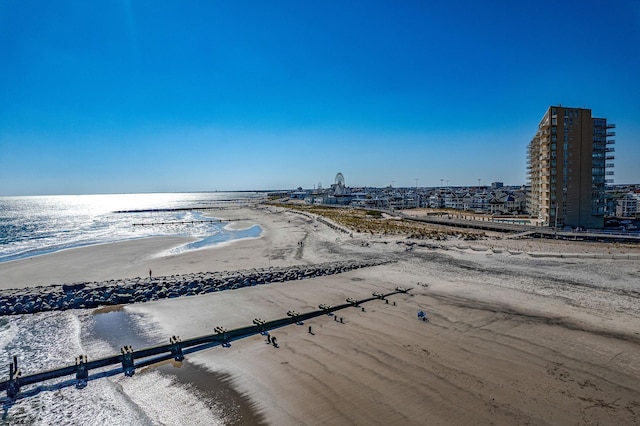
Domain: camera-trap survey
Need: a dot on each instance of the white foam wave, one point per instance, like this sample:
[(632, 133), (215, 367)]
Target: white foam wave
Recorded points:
[(101, 403), (53, 339), (166, 402), (8, 331)]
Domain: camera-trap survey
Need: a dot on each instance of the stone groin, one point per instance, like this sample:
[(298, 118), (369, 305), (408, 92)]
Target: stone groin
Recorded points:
[(135, 290)]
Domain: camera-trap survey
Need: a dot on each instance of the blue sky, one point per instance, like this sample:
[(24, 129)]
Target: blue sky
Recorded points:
[(154, 96)]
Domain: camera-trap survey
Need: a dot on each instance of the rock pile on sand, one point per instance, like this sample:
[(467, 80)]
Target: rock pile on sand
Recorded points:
[(136, 290)]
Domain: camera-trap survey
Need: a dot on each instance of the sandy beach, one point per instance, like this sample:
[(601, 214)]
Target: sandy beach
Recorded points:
[(519, 332)]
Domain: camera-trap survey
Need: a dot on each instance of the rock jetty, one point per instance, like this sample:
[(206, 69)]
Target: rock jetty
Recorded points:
[(136, 290)]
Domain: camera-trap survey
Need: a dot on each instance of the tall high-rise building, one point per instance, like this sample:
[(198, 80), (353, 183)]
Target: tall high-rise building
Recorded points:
[(568, 165)]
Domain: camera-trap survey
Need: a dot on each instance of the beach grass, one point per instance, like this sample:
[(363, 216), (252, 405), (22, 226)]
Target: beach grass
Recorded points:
[(376, 222)]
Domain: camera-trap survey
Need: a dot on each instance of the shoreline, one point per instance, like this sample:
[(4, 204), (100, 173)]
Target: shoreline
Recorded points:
[(88, 246), (512, 338), (236, 409), (135, 258), (231, 226)]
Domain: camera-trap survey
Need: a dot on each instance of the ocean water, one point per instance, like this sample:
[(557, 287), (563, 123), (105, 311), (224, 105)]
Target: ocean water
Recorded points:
[(53, 339), (31, 226)]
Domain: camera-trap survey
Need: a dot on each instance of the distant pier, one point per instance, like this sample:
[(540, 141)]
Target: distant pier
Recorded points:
[(224, 205), (190, 222)]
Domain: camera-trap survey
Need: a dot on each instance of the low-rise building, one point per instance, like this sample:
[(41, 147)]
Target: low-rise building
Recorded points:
[(627, 205)]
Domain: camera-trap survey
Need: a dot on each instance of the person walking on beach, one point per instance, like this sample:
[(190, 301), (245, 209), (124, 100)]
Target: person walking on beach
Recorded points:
[(149, 273)]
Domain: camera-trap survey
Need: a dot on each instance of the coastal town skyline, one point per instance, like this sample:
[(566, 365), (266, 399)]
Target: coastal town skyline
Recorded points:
[(129, 98)]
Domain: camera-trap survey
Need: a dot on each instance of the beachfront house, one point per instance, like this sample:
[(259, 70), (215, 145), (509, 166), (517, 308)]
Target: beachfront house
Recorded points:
[(436, 201)]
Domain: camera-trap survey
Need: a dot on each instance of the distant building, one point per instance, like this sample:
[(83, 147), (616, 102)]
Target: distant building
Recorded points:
[(301, 195), (567, 165), (497, 185), (627, 206), (436, 201)]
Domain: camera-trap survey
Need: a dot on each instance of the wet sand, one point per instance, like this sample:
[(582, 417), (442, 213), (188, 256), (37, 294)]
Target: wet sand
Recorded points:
[(115, 326), (478, 361)]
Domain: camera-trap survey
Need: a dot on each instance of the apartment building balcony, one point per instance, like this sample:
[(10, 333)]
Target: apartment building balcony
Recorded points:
[(610, 141), (611, 126), (610, 157), (610, 134), (610, 149)]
